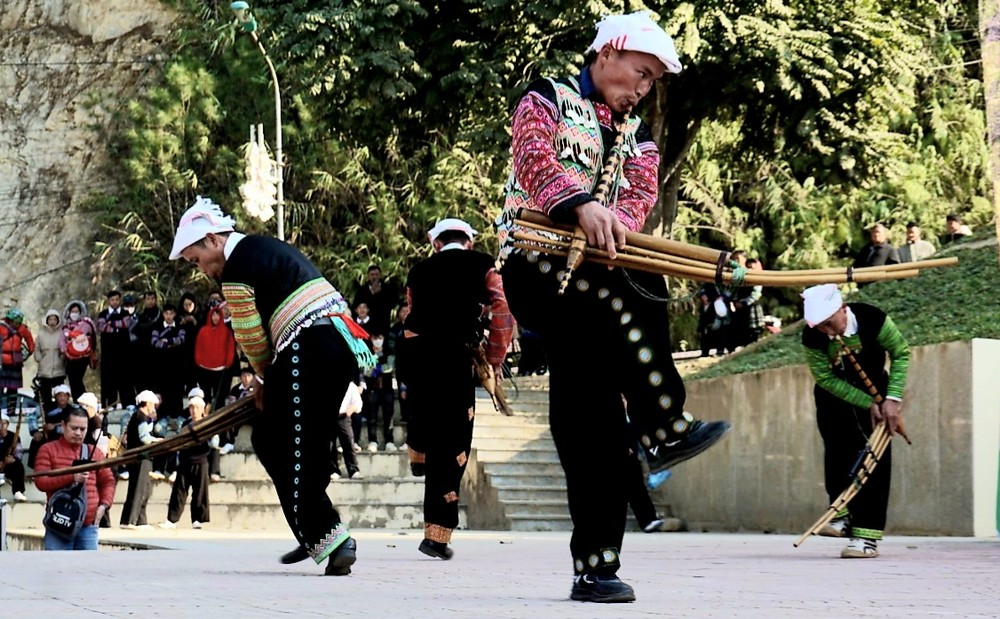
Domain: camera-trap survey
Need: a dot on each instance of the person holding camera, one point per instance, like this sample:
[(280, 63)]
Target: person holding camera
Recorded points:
[(99, 485)]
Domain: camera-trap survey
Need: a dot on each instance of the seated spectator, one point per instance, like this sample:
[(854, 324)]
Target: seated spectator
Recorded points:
[(11, 467), (99, 484), (52, 427), (954, 229), (915, 247)]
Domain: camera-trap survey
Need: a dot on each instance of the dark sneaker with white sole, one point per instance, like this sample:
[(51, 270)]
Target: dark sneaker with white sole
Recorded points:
[(602, 589), (700, 437), (294, 556)]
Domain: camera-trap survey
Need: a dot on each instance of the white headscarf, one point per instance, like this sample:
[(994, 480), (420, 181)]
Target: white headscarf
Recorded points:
[(821, 302), (202, 218), (637, 32), (450, 224)]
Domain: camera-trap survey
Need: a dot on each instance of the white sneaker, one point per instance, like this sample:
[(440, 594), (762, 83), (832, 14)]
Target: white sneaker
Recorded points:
[(216, 477), (653, 526), (196, 525), (227, 448), (838, 527), (173, 477), (334, 476), (123, 475), (390, 446), (372, 447), (357, 448), (128, 527), (144, 527), (340, 449), (3, 479), (357, 475), (156, 475), (860, 549), (19, 496), (166, 524)]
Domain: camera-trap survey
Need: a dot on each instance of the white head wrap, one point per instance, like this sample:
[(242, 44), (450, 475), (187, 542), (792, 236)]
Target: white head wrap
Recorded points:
[(202, 218), (196, 392), (146, 396), (4, 417), (193, 400), (450, 224), (637, 32), (821, 302), (88, 399), (61, 389)]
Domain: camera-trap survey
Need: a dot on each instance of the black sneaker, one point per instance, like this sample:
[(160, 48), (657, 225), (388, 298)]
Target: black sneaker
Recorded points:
[(343, 558), (700, 437), (418, 469), (436, 549), (598, 588), (294, 556)]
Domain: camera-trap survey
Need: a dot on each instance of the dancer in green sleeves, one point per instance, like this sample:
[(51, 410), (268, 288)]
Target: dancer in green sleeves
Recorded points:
[(846, 412)]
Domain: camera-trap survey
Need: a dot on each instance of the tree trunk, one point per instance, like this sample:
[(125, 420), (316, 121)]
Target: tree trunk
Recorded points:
[(989, 35), (674, 132)]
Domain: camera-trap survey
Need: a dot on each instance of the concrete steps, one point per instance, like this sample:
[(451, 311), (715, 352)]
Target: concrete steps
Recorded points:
[(518, 472)]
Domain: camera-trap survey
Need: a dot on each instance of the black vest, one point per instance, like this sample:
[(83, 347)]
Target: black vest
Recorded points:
[(447, 293)]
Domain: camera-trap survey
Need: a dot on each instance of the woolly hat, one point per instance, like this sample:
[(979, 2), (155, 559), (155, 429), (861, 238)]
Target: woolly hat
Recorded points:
[(637, 32), (821, 302), (204, 217)]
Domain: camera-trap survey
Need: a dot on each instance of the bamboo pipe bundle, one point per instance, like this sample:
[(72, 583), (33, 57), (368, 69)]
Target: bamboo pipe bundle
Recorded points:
[(225, 418), (877, 444), (665, 257), (667, 266)]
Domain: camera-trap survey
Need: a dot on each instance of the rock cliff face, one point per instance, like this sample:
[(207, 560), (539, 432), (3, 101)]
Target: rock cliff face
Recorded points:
[(64, 67)]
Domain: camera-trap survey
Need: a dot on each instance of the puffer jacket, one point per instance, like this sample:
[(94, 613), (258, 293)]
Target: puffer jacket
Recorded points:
[(79, 337), (60, 454), (48, 355)]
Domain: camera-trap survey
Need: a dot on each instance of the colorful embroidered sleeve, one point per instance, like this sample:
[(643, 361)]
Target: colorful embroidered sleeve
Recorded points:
[(819, 365), (248, 325), (899, 353), (637, 196), (534, 157), (501, 320)]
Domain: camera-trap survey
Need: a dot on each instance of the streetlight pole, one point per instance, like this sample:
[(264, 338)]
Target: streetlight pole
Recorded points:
[(249, 25)]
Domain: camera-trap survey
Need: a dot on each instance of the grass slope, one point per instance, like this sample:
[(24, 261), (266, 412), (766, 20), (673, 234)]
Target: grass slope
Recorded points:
[(941, 305)]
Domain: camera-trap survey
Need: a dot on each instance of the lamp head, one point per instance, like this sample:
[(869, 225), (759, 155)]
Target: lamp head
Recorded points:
[(241, 10)]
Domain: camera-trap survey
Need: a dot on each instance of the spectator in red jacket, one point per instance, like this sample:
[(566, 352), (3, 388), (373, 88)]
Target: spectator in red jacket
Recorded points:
[(100, 484), (214, 354), (16, 347)]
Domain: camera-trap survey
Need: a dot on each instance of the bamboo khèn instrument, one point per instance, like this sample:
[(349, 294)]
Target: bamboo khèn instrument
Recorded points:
[(652, 254), (226, 418)]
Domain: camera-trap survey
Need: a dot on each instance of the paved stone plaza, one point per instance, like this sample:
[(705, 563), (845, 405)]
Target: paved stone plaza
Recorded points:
[(208, 574)]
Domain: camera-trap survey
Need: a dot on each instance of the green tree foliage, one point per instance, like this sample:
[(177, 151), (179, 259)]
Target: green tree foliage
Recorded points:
[(794, 124)]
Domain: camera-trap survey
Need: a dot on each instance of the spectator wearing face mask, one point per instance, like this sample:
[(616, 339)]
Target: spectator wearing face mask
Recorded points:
[(78, 344)]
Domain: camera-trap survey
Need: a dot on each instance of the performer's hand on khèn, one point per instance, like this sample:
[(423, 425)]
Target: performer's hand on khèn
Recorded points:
[(876, 413), (892, 413), (602, 227)]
